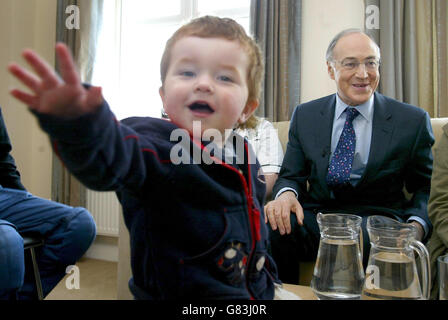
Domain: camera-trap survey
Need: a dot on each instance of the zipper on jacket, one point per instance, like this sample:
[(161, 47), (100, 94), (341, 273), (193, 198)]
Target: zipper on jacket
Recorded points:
[(247, 187), (253, 214)]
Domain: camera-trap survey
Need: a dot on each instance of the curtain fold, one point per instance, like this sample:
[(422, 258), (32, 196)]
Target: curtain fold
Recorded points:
[(276, 26), (441, 47), (66, 188), (413, 42)]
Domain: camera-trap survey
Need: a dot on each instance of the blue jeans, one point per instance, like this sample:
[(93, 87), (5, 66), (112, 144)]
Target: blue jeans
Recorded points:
[(68, 233)]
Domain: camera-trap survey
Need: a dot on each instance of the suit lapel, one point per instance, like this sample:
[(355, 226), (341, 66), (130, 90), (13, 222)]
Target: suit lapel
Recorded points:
[(382, 129), (324, 126)]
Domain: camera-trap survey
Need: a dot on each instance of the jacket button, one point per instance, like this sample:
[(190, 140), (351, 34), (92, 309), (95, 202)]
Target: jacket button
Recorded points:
[(230, 253), (260, 263)]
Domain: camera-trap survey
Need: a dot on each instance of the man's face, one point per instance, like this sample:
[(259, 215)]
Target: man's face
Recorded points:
[(354, 68), (206, 81)]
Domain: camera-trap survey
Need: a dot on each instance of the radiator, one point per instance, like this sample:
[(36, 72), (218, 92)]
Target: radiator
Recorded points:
[(105, 209)]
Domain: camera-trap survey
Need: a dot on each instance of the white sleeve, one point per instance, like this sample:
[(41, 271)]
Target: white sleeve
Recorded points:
[(284, 190), (268, 147)]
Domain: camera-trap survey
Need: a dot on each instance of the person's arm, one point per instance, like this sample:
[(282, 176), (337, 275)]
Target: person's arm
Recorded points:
[(270, 181), (294, 172), (418, 177), (438, 200), (269, 153), (9, 175), (289, 185), (101, 152)]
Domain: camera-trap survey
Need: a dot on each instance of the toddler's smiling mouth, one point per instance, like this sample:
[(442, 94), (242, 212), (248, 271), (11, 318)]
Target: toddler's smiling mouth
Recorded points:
[(201, 108)]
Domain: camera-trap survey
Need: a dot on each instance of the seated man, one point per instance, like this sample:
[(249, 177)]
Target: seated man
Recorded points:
[(356, 149), (68, 232), (438, 209)]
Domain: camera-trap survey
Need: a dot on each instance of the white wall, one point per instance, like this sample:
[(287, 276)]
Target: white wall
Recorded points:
[(26, 24), (322, 20)]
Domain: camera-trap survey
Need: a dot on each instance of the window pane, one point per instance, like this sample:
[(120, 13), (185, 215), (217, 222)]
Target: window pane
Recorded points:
[(144, 9), (210, 6), (141, 51), (107, 55), (244, 22)]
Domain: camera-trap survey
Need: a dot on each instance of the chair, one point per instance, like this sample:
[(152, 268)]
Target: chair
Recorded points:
[(31, 242)]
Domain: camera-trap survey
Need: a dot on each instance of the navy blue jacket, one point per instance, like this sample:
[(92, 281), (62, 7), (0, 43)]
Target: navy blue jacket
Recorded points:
[(196, 230), (9, 175)]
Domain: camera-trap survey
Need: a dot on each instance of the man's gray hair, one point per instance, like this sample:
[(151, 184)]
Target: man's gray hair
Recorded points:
[(330, 49)]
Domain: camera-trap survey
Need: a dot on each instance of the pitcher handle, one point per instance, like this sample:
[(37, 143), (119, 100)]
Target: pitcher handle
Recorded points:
[(361, 243), (426, 271)]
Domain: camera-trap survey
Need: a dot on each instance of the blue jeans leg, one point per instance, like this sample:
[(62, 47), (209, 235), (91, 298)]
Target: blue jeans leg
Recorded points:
[(12, 268), (68, 233)]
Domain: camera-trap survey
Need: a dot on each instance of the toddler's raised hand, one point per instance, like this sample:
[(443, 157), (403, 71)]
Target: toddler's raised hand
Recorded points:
[(52, 95)]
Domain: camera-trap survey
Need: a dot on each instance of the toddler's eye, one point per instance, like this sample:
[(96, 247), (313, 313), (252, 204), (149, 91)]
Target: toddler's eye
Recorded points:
[(187, 73), (225, 78)]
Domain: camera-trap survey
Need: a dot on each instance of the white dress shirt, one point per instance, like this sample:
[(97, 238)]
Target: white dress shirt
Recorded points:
[(266, 145)]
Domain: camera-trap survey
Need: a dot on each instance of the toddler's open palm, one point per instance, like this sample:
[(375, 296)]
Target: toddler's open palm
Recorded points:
[(52, 95)]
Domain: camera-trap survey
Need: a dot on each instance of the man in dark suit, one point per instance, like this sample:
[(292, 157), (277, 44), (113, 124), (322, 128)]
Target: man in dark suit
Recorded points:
[(350, 152)]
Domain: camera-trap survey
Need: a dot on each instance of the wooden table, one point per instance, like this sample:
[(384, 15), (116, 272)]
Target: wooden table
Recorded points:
[(306, 293)]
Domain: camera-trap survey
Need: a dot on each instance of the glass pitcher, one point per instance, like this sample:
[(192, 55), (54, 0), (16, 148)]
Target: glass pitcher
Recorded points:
[(392, 271), (338, 272)]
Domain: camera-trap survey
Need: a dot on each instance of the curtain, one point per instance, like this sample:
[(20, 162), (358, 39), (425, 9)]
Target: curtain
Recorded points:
[(276, 26), (82, 41), (413, 39), (440, 46)]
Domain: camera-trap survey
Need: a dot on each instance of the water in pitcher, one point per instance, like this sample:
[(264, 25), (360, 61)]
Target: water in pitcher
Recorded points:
[(341, 276), (397, 280)]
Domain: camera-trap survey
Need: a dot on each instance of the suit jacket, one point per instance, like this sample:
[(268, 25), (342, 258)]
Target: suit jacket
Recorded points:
[(400, 155)]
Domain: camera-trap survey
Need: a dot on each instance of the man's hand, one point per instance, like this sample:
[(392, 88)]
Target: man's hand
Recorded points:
[(420, 230), (52, 95), (278, 212)]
